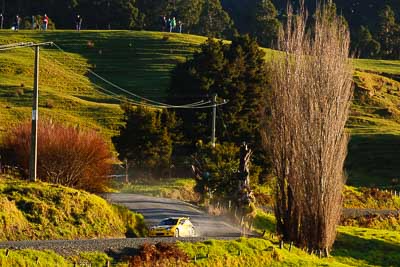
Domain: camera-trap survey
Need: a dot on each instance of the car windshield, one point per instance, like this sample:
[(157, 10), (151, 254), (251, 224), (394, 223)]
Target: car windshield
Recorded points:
[(169, 222)]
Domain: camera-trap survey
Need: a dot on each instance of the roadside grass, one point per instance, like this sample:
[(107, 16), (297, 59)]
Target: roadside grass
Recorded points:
[(175, 188), (264, 222), (367, 247), (95, 259), (375, 221), (36, 211), (366, 198), (354, 247), (28, 257)]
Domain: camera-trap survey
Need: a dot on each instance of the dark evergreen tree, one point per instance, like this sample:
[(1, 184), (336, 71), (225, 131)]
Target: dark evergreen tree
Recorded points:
[(153, 11), (145, 140), (234, 72), (266, 24), (214, 21), (188, 12), (255, 17), (365, 45), (97, 14), (387, 32)]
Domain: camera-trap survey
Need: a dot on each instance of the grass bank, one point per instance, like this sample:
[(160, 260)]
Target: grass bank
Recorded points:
[(34, 211), (28, 257)]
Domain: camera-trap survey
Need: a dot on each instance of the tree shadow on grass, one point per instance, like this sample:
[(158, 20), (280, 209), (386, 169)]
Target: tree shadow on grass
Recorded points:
[(371, 251), (373, 160)]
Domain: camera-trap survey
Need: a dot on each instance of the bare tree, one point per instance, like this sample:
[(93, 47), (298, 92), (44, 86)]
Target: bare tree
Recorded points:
[(311, 82)]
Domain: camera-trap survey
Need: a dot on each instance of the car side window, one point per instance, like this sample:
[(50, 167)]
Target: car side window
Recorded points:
[(182, 222)]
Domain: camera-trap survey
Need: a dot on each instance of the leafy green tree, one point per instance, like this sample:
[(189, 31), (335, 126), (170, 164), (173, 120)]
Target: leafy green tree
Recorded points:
[(387, 31), (214, 21), (145, 139), (204, 17), (193, 81), (104, 14), (236, 73), (219, 167), (152, 11), (365, 44), (255, 17), (266, 24), (97, 14), (188, 12)]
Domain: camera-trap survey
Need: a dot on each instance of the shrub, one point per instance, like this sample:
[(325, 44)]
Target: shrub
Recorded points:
[(371, 198), (49, 103), (160, 254), (375, 221), (66, 155), (19, 92)]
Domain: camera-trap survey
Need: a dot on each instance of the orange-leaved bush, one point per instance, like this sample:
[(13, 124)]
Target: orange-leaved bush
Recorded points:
[(66, 155)]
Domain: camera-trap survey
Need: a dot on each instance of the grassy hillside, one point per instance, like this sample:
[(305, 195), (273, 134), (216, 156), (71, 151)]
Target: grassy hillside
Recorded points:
[(137, 61), (44, 211), (141, 61)]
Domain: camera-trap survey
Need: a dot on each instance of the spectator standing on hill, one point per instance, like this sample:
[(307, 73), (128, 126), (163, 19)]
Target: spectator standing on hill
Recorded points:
[(1, 21), (33, 22), (163, 23), (180, 24), (169, 24), (17, 22), (172, 24), (45, 22), (78, 22)]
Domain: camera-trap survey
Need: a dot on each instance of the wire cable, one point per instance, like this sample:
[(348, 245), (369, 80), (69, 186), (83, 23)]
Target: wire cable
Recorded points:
[(153, 103), (22, 45)]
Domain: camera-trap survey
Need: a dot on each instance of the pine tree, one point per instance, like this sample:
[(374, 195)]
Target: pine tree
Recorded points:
[(234, 72), (266, 24), (145, 139), (214, 21), (387, 30), (366, 46)]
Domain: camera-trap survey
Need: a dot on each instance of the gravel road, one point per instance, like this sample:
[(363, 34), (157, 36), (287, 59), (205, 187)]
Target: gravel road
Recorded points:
[(113, 247), (155, 209)]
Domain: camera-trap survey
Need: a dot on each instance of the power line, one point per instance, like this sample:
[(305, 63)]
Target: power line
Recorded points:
[(152, 103), (196, 105), (22, 45)]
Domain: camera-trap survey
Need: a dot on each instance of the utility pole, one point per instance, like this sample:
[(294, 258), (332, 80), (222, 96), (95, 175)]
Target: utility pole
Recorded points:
[(214, 118), (35, 104), (126, 170)]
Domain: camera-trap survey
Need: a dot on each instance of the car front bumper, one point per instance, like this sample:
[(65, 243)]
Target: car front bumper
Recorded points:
[(155, 233)]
